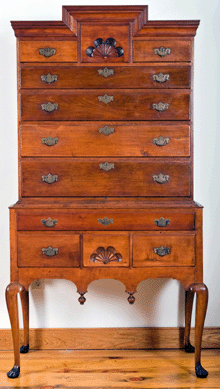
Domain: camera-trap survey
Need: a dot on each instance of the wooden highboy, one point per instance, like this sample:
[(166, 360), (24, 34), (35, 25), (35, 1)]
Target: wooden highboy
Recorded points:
[(105, 158)]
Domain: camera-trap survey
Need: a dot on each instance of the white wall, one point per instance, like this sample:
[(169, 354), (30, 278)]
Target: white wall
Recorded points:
[(158, 302)]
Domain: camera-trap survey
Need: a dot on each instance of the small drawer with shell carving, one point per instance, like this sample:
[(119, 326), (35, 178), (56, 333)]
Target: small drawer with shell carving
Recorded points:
[(48, 249), (164, 249), (48, 51), (106, 250), (162, 50)]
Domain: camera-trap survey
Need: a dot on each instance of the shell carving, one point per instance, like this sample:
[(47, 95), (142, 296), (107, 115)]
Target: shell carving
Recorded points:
[(106, 255), (105, 49)]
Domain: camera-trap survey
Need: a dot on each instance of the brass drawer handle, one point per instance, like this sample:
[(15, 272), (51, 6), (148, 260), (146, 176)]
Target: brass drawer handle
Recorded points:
[(49, 178), (106, 166), (49, 222), (49, 107), (49, 141), (162, 251), (106, 255), (161, 107), (47, 52), (49, 78), (162, 51), (105, 221), (162, 222), (106, 130), (105, 99), (49, 251), (161, 178), (106, 72), (161, 77), (161, 141)]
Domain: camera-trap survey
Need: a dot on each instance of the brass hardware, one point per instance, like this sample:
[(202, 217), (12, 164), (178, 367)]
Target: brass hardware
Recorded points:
[(49, 78), (49, 251), (106, 72), (161, 141), (49, 222), (105, 99), (160, 178), (47, 52), (162, 222), (106, 130), (49, 178), (105, 221), (105, 49), (161, 77), (49, 141), (106, 255), (162, 52), (162, 251), (160, 106), (49, 107), (107, 166)]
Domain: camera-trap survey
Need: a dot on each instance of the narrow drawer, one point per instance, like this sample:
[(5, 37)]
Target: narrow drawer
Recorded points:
[(162, 51), (48, 51), (105, 220), (48, 250), (75, 139), (112, 104), (102, 250), (62, 177), (163, 249), (66, 77)]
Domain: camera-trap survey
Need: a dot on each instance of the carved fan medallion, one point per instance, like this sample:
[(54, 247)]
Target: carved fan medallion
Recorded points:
[(105, 49), (106, 255)]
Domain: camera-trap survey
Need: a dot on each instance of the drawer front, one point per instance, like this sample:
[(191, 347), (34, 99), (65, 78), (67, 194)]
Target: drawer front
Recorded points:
[(106, 105), (48, 51), (163, 250), (55, 77), (48, 250), (100, 178), (162, 51), (101, 250), (105, 220), (138, 140)]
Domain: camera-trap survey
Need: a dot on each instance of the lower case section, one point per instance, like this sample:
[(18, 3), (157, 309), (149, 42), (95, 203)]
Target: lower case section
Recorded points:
[(201, 306)]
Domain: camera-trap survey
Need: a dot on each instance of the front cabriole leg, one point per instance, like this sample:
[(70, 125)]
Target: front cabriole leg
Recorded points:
[(12, 304), (201, 291)]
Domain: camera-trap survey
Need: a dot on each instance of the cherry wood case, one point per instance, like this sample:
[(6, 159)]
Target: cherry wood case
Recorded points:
[(105, 133)]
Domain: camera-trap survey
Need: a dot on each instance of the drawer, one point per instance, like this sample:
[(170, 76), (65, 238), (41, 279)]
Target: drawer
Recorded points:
[(102, 250), (91, 220), (113, 104), (163, 249), (63, 177), (48, 250), (162, 50), (52, 51), (75, 139), (67, 77)]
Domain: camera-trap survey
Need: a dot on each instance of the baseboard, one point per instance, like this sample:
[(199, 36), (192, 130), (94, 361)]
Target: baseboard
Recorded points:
[(109, 338)]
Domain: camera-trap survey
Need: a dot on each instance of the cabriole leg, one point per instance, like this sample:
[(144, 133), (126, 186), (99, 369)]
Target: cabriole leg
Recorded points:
[(189, 297), (201, 291), (24, 295), (12, 304)]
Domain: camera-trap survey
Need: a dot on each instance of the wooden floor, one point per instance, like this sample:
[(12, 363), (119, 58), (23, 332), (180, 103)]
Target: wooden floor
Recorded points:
[(110, 369)]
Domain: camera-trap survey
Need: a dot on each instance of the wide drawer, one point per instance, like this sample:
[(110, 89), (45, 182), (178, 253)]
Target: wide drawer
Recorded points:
[(48, 250), (67, 77), (113, 104), (48, 51), (60, 177), (92, 220), (106, 250), (75, 139), (162, 50), (164, 249)]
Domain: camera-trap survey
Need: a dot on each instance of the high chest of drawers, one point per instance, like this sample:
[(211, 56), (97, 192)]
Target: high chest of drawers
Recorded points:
[(105, 158)]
